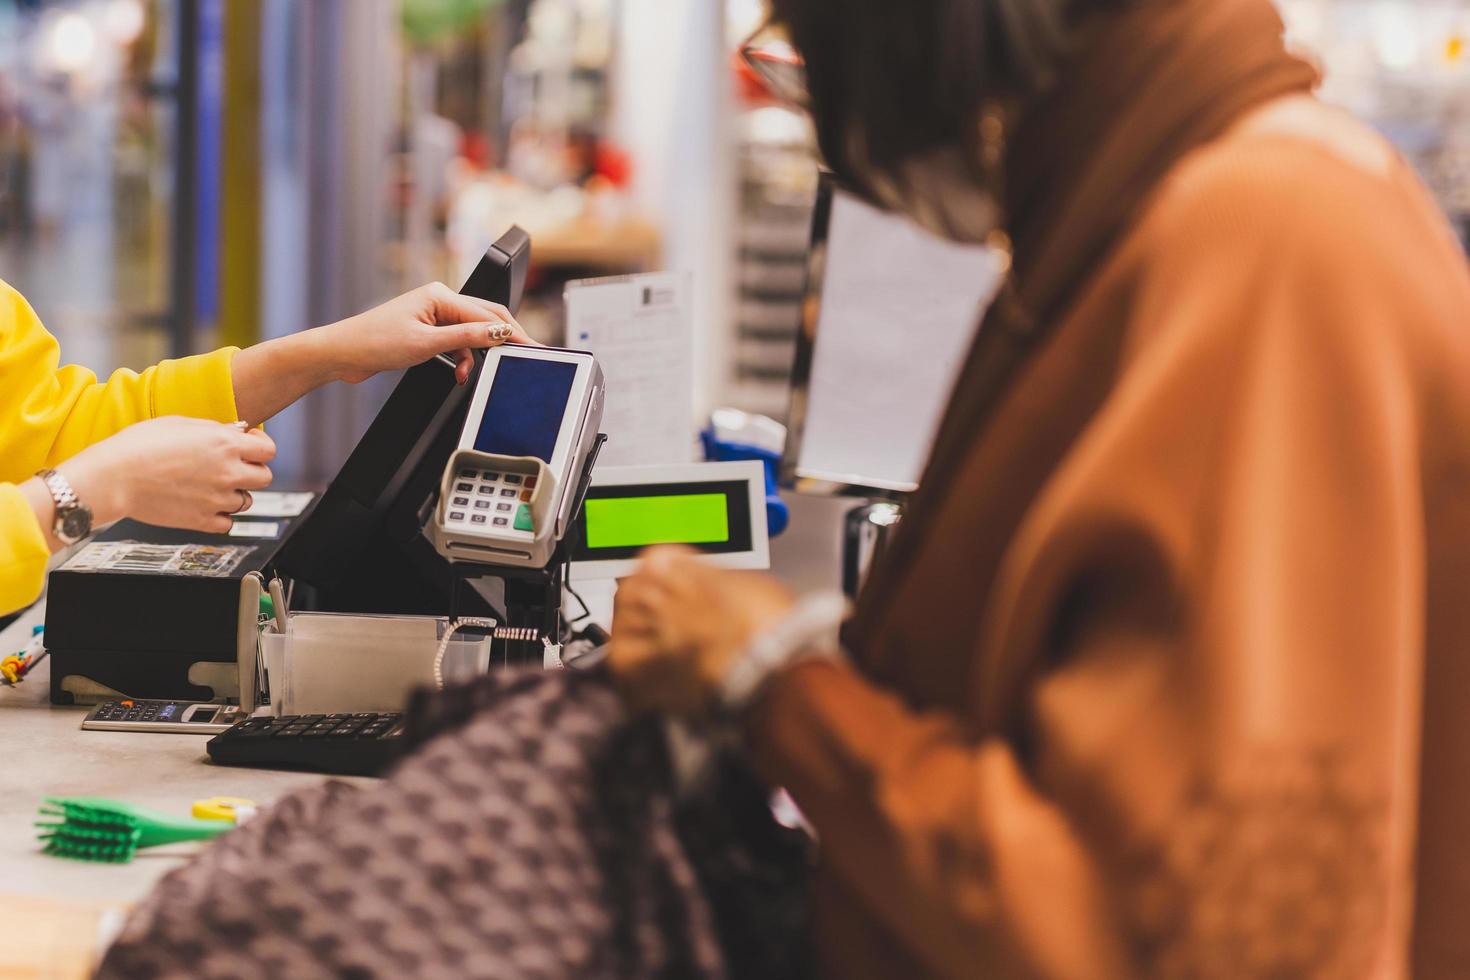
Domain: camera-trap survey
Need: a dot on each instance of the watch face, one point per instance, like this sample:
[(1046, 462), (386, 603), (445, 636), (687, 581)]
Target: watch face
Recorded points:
[(76, 524)]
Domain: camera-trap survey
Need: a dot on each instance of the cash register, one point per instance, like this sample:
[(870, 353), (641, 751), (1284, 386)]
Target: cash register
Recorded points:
[(457, 499), (150, 613)]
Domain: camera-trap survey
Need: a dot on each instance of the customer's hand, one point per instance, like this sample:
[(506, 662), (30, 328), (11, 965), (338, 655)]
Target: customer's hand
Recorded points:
[(173, 472), (431, 320), (679, 625)]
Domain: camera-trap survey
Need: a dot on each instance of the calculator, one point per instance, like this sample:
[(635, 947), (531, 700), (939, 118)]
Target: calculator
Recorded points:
[(342, 745), (174, 717)]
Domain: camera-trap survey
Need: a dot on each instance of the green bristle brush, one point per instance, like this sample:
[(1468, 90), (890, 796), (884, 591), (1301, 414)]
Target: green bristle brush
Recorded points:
[(90, 829)]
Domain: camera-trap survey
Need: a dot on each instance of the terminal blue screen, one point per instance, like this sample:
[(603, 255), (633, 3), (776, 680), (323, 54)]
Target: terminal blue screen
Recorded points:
[(523, 413)]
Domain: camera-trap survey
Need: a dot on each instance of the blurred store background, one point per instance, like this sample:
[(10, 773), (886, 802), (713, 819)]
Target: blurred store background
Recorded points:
[(180, 173)]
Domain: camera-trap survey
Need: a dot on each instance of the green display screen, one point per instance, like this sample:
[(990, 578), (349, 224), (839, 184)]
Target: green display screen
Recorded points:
[(637, 522)]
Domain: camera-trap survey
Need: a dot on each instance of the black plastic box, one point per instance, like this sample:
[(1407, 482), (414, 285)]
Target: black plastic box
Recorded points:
[(141, 622)]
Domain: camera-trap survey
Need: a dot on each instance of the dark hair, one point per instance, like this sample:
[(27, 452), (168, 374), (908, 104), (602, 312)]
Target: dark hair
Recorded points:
[(892, 79)]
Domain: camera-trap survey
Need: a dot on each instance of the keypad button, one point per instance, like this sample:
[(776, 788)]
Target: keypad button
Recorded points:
[(464, 487), (523, 519), (502, 522), (470, 475), (487, 491), (530, 483), (507, 492), (505, 508), (479, 519), (482, 505), (461, 501), (457, 516), (513, 478), (526, 496)]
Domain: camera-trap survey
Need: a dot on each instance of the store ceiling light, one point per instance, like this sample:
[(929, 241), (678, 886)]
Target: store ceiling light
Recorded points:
[(71, 43), (1396, 37), (124, 20)]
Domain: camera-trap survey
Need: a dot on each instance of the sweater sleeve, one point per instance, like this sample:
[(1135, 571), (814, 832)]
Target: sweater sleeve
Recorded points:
[(23, 551), (49, 413), (1219, 604)]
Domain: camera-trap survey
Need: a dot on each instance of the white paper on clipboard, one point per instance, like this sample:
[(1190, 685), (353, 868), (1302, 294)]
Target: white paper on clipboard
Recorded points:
[(641, 331)]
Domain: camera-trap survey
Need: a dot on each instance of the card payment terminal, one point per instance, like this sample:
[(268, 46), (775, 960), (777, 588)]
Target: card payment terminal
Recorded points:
[(508, 494)]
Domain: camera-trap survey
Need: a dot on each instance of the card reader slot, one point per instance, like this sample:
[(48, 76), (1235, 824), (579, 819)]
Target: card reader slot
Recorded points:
[(484, 549)]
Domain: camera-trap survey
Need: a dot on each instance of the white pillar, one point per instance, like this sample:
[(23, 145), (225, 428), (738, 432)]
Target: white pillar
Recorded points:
[(673, 108)]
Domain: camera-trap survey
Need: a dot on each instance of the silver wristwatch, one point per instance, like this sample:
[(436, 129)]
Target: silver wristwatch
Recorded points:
[(73, 518)]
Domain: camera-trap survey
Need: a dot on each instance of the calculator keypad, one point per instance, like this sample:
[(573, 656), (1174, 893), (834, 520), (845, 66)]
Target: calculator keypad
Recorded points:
[(131, 714), (507, 496), (137, 711)]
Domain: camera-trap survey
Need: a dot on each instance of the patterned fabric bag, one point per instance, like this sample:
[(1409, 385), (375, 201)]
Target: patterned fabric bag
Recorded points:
[(532, 831)]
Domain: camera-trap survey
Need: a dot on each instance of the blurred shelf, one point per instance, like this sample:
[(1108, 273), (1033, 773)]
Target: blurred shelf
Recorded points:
[(633, 245)]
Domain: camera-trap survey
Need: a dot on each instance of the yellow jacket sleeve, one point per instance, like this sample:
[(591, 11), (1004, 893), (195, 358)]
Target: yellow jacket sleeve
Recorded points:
[(23, 551), (49, 413)]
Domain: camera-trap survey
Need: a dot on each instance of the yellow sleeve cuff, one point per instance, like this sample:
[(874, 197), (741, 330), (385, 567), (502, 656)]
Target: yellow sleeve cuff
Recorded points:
[(23, 551), (200, 387)]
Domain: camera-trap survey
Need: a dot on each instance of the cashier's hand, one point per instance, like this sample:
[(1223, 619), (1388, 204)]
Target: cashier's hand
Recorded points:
[(173, 472), (416, 326), (403, 332), (679, 624)]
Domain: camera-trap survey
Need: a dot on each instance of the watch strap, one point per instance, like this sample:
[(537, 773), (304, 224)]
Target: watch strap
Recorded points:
[(67, 503)]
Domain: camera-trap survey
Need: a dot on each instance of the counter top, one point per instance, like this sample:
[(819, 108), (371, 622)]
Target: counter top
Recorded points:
[(48, 754)]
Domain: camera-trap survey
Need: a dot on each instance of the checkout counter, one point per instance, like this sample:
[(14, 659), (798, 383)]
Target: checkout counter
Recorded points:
[(383, 539), (69, 907)]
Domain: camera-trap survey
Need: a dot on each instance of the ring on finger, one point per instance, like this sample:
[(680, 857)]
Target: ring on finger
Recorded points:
[(499, 333), (245, 501)]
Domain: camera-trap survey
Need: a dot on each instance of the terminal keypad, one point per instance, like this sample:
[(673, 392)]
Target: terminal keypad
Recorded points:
[(507, 496)]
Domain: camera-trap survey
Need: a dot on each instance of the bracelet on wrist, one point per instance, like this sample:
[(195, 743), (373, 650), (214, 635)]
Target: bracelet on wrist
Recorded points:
[(810, 631)]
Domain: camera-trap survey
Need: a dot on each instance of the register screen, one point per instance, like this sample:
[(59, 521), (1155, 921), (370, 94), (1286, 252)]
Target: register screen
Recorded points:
[(523, 413), (636, 522), (620, 520)]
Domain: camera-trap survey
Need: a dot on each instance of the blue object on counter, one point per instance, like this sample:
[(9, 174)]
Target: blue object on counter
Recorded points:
[(778, 515)]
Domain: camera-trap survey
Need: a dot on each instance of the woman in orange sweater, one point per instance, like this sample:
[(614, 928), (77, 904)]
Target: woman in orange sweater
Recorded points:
[(1165, 673), (175, 446)]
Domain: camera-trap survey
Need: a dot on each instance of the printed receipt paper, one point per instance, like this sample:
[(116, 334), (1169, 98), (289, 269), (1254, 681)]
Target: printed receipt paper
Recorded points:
[(641, 330)]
